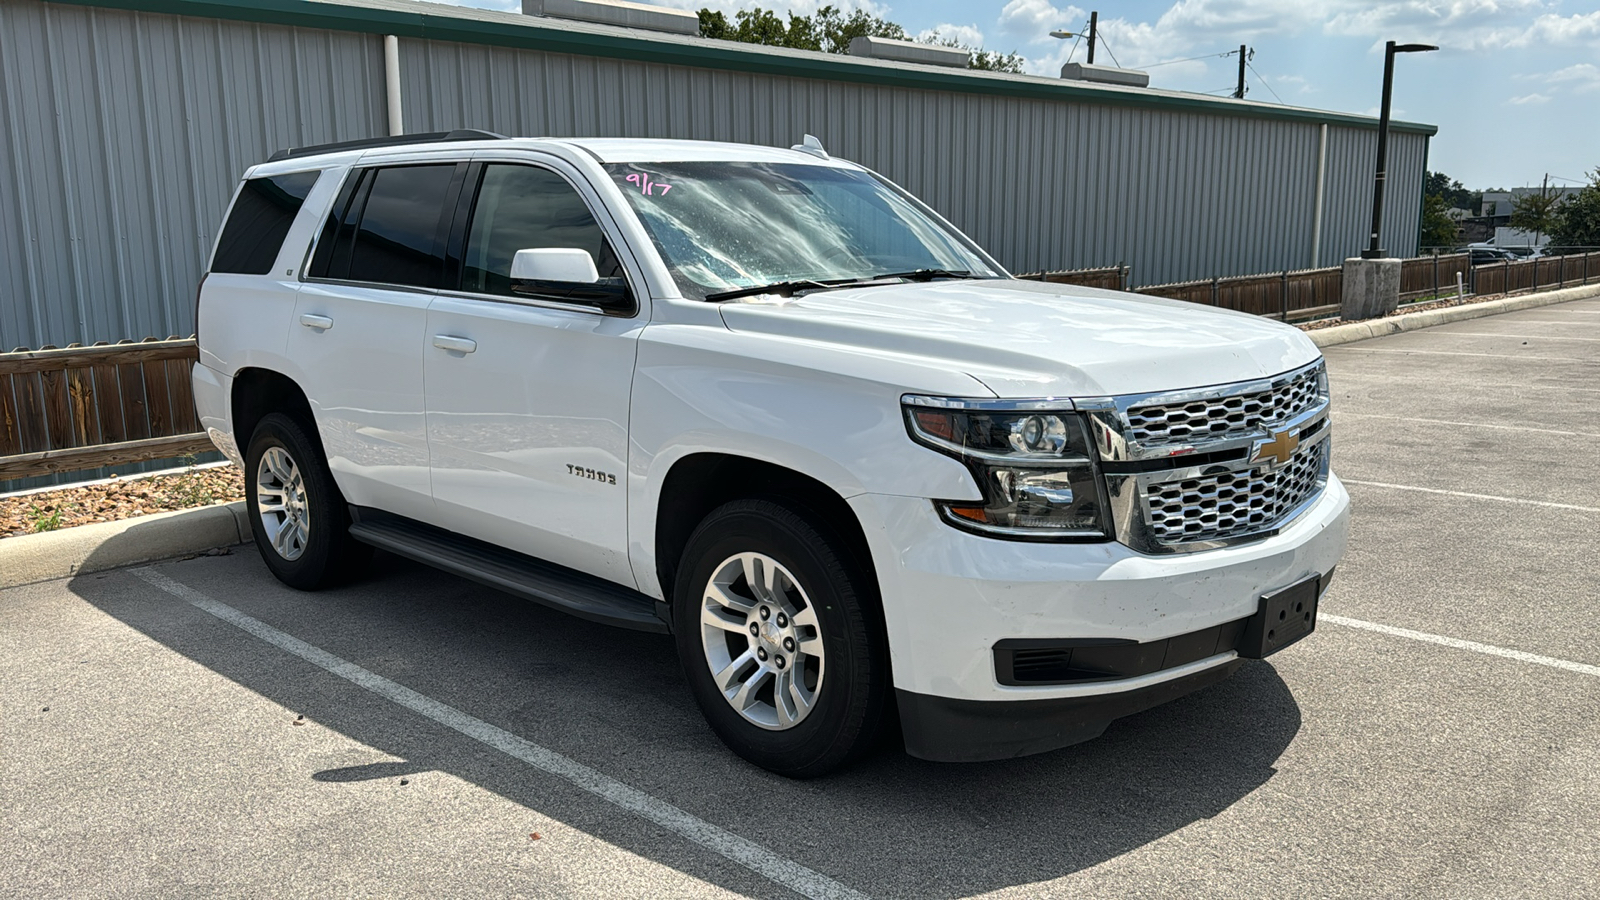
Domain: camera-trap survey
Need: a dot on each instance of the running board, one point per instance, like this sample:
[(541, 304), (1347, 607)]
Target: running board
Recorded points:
[(558, 587)]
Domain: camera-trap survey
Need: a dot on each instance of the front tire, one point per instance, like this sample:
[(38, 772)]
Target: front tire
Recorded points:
[(777, 634), (299, 518)]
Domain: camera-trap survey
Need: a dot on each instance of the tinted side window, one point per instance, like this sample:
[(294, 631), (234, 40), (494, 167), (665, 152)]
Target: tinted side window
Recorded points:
[(522, 207), (260, 220), (332, 257), (399, 240)]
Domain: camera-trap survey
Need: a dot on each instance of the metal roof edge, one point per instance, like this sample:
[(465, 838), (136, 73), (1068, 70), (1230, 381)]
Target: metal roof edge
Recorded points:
[(623, 43)]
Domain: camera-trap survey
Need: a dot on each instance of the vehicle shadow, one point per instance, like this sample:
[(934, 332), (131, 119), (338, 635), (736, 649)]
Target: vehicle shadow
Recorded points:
[(615, 700)]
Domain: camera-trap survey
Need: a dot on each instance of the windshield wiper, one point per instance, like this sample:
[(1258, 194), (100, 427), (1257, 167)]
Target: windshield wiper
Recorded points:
[(790, 287), (781, 287), (924, 274)]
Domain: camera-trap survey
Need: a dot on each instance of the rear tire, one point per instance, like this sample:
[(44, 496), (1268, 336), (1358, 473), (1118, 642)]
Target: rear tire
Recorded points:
[(777, 634), (299, 517)]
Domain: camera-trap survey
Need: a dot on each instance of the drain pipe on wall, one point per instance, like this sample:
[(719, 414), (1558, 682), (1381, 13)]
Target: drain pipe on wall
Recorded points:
[(391, 80), (1316, 224)]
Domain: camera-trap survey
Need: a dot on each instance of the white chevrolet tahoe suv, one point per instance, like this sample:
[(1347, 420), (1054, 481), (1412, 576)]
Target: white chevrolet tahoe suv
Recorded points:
[(766, 401)]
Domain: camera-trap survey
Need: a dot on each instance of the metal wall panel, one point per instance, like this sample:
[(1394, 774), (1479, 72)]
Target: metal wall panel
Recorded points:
[(125, 133), (1174, 195)]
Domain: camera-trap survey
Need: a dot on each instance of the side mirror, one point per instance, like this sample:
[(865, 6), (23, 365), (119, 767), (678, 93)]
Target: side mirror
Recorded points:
[(554, 264), (568, 276)]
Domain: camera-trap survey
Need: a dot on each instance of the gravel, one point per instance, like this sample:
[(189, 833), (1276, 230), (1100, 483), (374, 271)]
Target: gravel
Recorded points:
[(119, 499)]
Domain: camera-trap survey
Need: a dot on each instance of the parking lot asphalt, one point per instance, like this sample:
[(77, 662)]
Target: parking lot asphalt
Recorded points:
[(195, 728)]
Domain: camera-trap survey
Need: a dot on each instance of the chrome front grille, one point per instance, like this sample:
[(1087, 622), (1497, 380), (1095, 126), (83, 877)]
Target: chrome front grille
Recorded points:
[(1207, 467), (1214, 418), (1234, 503)]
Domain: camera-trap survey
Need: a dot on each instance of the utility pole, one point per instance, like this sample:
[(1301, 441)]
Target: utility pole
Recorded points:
[(1094, 30), (1238, 92)]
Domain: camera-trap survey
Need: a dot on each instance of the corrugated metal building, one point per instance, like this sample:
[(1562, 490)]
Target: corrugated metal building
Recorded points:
[(127, 123)]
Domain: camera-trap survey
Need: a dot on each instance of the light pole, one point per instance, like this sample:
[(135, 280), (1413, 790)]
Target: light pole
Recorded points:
[(1373, 251), (1094, 26)]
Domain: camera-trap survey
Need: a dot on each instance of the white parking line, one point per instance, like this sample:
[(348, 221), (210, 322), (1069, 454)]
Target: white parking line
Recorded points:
[(1529, 337), (1522, 500), (755, 857), (1342, 413), (1389, 378), (1459, 353), (1457, 643)]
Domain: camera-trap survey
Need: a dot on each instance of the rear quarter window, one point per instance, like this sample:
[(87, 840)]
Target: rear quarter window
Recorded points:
[(259, 222)]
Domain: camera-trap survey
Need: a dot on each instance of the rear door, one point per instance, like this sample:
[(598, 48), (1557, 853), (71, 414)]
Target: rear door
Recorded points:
[(527, 397), (359, 326)]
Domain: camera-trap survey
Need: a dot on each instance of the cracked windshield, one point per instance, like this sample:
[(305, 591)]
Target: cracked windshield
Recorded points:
[(724, 226)]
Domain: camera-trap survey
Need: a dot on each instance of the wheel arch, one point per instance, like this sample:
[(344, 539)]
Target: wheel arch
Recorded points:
[(700, 482), (257, 392)]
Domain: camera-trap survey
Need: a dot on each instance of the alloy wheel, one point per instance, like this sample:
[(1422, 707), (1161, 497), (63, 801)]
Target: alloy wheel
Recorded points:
[(762, 641), (281, 503)]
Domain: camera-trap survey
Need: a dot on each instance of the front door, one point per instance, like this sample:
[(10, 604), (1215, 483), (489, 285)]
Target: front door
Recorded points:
[(527, 397)]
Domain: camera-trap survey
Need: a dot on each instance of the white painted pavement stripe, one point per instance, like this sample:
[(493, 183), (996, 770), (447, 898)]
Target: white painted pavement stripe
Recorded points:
[(1524, 337), (753, 856), (1342, 413), (1349, 349), (1457, 643), (1344, 374), (1522, 500)]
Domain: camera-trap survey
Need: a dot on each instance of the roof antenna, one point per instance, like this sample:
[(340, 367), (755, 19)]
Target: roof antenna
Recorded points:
[(810, 144)]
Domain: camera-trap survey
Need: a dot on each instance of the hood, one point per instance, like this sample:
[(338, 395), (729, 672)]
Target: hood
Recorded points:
[(1029, 339)]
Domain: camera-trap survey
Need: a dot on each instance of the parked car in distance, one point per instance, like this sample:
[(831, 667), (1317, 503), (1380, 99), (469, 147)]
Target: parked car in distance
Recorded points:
[(768, 402), (1482, 256)]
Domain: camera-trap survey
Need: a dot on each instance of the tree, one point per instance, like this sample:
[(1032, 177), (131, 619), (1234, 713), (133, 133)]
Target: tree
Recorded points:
[(1577, 219), (1535, 213), (1438, 229), (1455, 196), (830, 31)]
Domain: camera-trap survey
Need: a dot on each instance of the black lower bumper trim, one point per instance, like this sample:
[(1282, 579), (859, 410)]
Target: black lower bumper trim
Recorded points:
[(949, 730)]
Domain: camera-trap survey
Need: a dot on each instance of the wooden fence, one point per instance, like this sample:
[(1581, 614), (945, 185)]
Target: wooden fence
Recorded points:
[(75, 408), (1112, 278), (1308, 293), (1288, 296), (1430, 276), (1535, 274)]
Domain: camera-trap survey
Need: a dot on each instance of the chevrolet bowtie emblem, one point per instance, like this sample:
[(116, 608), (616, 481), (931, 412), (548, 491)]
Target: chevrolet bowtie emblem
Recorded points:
[(1279, 449)]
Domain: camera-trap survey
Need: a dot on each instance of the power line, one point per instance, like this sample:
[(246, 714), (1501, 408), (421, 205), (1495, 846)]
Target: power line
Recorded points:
[(1102, 39), (1264, 82), (1172, 62), (1075, 41)]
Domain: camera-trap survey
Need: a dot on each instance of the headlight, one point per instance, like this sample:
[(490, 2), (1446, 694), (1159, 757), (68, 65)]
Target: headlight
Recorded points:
[(1032, 463)]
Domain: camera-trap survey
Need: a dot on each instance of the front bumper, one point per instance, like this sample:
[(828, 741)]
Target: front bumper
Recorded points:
[(949, 597), (948, 730)]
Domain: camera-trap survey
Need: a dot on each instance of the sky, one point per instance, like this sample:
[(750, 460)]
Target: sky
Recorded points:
[(1514, 88)]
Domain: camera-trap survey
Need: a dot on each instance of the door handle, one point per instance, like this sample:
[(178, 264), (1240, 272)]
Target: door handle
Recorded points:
[(311, 321), (457, 344)]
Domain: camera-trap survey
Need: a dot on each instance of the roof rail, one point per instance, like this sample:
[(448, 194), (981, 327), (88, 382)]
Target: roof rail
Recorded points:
[(460, 134)]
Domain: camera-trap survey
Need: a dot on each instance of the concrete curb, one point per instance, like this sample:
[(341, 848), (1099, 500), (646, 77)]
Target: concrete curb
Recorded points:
[(82, 549), (1360, 331)]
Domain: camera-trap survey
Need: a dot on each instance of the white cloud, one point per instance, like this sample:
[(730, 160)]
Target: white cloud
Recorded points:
[(967, 35), (1527, 99), (1582, 77), (1031, 21)]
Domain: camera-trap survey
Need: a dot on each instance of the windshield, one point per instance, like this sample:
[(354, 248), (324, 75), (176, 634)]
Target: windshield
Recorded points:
[(721, 226)]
